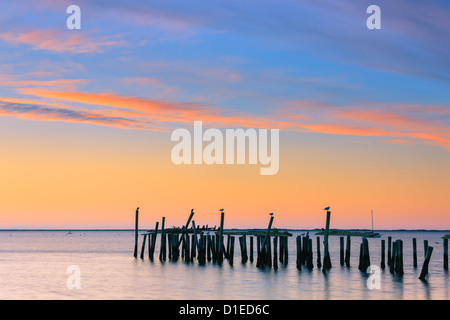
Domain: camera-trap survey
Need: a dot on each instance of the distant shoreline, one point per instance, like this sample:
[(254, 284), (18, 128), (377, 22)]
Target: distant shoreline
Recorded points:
[(229, 229)]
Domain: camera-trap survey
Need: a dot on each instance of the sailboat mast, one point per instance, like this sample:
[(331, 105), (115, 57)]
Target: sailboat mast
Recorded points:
[(371, 211)]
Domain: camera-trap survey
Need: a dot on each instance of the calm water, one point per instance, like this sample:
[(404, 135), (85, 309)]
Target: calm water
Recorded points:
[(33, 265)]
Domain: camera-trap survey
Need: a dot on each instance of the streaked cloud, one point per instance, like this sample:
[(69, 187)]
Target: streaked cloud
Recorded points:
[(47, 113), (311, 117), (56, 40), (60, 84), (398, 121)]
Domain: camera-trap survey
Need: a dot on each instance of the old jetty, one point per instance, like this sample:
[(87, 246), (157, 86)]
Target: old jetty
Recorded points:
[(204, 244)]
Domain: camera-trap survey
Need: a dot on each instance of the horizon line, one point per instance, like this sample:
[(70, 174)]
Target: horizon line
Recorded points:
[(143, 229)]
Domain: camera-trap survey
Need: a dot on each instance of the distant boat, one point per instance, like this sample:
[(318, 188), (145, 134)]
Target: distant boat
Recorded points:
[(376, 235), (70, 232), (367, 234)]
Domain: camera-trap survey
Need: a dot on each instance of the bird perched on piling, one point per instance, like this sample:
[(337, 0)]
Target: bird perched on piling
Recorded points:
[(327, 208)]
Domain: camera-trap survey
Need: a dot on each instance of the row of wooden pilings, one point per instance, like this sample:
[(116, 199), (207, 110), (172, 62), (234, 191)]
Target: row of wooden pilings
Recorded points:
[(207, 246), (195, 243)]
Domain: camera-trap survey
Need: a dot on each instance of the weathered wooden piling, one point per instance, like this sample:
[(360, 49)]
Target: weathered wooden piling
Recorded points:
[(183, 246), (281, 249), (251, 249), (258, 247), (152, 243), (341, 250), (319, 260), (275, 253), (209, 247), (243, 246), (364, 255), (162, 250), (393, 258), (263, 256), (170, 238), (326, 253), (231, 251), (361, 253), (169, 246), (445, 254), (194, 228), (305, 249), (136, 232), (298, 241), (425, 248), (347, 251), (415, 252), (383, 254), (150, 247), (185, 227), (389, 258), (143, 246), (204, 247), (285, 250), (193, 247), (227, 247), (175, 247), (187, 248), (399, 261), (426, 262), (220, 240), (202, 250), (367, 252), (309, 263)]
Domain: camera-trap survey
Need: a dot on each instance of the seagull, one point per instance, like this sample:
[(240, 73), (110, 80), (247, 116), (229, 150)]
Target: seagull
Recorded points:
[(271, 213), (221, 210), (327, 208)]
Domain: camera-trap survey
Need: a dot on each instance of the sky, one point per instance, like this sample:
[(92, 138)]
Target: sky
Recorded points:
[(86, 115)]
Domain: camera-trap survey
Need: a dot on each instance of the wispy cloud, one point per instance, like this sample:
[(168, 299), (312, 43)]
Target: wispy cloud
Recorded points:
[(163, 115), (48, 113), (398, 121), (395, 125), (60, 84), (56, 40)]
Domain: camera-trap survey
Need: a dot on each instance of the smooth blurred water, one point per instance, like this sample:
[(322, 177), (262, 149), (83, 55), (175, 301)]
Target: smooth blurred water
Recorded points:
[(33, 265)]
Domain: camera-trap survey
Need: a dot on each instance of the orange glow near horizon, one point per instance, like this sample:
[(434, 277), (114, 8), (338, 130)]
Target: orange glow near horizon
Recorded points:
[(97, 181)]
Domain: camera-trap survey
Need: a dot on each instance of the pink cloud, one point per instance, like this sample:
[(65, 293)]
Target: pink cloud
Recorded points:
[(58, 41), (303, 116), (61, 84), (400, 121)]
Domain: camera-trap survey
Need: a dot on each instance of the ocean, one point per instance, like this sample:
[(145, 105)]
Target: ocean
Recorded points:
[(99, 265)]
